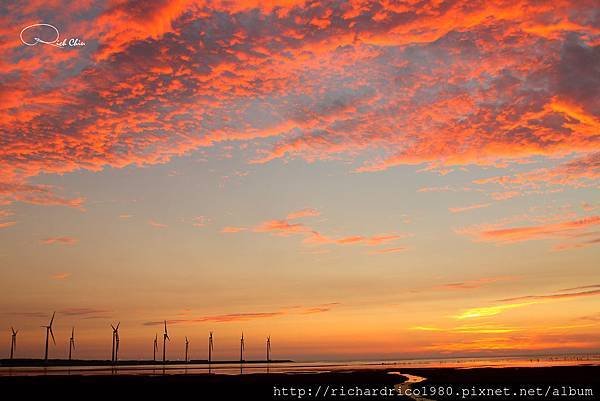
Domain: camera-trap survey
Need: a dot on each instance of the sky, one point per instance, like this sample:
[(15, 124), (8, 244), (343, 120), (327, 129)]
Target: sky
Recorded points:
[(356, 179)]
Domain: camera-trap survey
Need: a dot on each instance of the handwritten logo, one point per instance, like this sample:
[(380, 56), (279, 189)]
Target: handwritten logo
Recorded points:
[(47, 34)]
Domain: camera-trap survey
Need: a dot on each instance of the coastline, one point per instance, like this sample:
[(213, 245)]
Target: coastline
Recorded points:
[(464, 382)]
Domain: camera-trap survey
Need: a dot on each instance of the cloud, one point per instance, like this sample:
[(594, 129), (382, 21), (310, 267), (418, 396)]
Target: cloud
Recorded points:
[(519, 302), (60, 276), (583, 287), (572, 230), (390, 250), (199, 221), (308, 212), (439, 84), (579, 173), (84, 312), (287, 227), (36, 194), (589, 207), (474, 284), (236, 317), (232, 230), (59, 240), (490, 310), (473, 329), (537, 341), (553, 296), (156, 224), (6, 224), (469, 207)]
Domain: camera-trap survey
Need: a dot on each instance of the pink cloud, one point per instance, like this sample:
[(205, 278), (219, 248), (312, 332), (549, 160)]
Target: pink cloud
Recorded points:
[(569, 230), (231, 229), (353, 86), (469, 207), (59, 240), (60, 276), (308, 212), (156, 224)]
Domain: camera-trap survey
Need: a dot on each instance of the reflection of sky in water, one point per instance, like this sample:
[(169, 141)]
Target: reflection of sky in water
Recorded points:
[(309, 367)]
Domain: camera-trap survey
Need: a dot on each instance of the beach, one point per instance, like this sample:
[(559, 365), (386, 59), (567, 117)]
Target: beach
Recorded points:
[(528, 383)]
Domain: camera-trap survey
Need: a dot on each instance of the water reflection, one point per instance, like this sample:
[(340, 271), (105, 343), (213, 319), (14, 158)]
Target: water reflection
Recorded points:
[(300, 367)]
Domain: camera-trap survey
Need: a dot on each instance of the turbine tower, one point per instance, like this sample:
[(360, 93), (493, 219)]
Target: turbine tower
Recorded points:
[(155, 346), (71, 342), (269, 349), (242, 348), (165, 338), (210, 347), (13, 342), (187, 345), (115, 342), (49, 332)]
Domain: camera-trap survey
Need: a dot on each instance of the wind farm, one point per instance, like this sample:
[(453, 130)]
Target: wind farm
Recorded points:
[(115, 348), (317, 195)]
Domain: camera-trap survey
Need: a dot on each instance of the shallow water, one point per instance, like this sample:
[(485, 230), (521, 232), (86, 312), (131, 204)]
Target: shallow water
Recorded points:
[(304, 367)]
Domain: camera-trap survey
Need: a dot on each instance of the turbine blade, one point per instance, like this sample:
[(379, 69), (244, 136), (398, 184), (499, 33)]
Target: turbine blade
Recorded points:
[(52, 320), (113, 327), (52, 334), (118, 324)]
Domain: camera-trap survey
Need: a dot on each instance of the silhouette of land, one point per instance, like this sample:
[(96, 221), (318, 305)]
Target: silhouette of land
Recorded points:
[(101, 362), (264, 386)]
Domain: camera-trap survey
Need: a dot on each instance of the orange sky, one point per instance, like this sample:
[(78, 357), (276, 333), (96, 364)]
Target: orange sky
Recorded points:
[(357, 179)]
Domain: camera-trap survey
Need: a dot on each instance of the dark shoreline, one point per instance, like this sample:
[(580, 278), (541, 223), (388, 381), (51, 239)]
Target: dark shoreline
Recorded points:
[(263, 386), (29, 363)]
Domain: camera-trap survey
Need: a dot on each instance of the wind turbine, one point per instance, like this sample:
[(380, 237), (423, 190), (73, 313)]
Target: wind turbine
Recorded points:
[(242, 348), (165, 338), (155, 346), (210, 347), (115, 342), (71, 342), (187, 345), (269, 349), (49, 331), (13, 342), (117, 347)]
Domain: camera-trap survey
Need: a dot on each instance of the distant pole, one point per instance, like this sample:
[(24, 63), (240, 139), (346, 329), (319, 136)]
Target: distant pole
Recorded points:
[(269, 349), (242, 348), (155, 347), (165, 338), (48, 333), (117, 347), (71, 342), (13, 342), (186, 349), (112, 354), (210, 346), (46, 351)]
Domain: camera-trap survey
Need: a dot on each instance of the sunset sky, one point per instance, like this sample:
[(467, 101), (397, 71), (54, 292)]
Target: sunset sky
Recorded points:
[(357, 179)]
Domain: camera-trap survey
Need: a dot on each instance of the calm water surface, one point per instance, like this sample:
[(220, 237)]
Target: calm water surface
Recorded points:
[(305, 367)]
